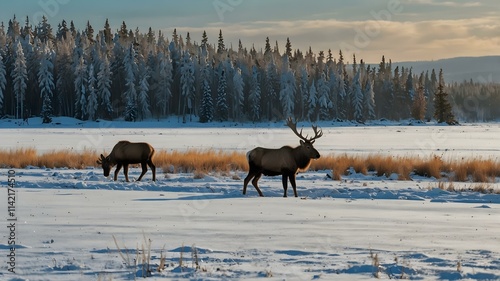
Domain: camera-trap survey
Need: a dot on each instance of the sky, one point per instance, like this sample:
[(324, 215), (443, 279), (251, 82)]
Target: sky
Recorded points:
[(401, 30)]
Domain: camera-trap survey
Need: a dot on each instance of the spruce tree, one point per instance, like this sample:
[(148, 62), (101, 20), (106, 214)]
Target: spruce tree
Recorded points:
[(20, 78), (46, 83), (104, 87), (254, 97), (207, 107), (443, 110), (221, 113), (92, 94), (3, 82)]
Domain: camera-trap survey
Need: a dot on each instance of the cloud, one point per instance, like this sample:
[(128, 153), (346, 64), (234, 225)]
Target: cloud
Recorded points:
[(399, 40), (446, 3)]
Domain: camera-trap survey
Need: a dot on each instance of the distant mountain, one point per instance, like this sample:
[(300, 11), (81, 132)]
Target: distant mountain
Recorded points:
[(480, 69)]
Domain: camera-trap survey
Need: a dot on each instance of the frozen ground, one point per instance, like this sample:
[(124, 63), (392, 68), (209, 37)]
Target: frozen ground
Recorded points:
[(355, 229)]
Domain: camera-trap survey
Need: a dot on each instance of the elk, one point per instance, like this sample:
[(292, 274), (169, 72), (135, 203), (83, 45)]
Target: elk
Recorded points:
[(125, 153), (285, 161)]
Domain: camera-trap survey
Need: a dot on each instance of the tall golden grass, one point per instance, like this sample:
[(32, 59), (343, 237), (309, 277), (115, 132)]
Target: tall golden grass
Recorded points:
[(204, 161)]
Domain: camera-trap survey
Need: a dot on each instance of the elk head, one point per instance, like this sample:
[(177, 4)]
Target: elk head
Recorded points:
[(106, 164), (306, 143)]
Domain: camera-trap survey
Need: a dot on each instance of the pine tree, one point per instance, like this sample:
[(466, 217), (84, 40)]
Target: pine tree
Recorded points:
[(130, 64), (104, 86), (369, 98), (19, 76), (238, 95), (443, 107), (324, 101), (46, 82), (143, 97), (288, 48), (271, 88), (187, 84), (221, 48), (287, 89), (80, 88), (207, 107), (163, 94), (92, 94), (221, 113), (419, 105), (303, 92), (254, 97), (312, 103), (3, 82), (358, 98)]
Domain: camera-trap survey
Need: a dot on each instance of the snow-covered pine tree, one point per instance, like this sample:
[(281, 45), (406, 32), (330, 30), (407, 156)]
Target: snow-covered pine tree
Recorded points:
[(287, 88), (221, 108), (271, 88), (92, 94), (163, 95), (46, 83), (254, 96), (187, 85), (104, 87), (324, 101), (130, 66), (312, 103), (20, 78), (357, 98), (64, 76), (303, 92), (3, 82), (143, 97), (81, 88), (207, 106), (238, 94), (369, 97)]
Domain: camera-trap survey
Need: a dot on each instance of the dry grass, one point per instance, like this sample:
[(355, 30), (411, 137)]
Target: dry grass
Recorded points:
[(203, 162)]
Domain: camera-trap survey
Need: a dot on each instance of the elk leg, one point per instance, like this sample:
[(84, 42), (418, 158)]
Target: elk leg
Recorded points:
[(153, 169), (144, 170), (292, 181), (245, 182), (125, 171), (284, 179), (118, 167), (254, 183)]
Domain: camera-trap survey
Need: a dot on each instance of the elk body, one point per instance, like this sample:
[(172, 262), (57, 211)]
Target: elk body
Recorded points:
[(125, 153), (285, 161)]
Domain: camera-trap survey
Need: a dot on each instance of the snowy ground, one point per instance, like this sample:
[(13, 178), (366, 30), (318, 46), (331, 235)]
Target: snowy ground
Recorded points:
[(358, 228)]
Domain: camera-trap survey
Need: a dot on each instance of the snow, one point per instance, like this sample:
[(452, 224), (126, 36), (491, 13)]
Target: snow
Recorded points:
[(358, 228)]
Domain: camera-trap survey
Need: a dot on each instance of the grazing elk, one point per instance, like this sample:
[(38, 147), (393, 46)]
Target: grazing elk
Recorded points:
[(285, 161), (125, 153)]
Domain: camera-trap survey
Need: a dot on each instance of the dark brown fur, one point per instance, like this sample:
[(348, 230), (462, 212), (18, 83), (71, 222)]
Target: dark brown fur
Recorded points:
[(125, 153), (285, 161)]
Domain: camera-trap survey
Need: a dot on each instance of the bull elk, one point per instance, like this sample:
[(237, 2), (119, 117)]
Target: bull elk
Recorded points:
[(285, 161), (125, 153)]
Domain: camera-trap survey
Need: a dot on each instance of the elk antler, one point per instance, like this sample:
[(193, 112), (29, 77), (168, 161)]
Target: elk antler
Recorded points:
[(99, 160), (293, 126)]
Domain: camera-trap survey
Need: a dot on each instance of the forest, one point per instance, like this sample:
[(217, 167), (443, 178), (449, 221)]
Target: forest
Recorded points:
[(132, 75)]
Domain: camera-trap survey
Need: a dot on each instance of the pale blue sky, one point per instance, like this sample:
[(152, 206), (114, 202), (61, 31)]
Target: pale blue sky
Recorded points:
[(398, 29)]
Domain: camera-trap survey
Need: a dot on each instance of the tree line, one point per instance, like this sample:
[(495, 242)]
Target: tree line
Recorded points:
[(130, 75)]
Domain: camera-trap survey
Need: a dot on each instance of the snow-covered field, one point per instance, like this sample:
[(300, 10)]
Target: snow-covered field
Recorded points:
[(359, 228)]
